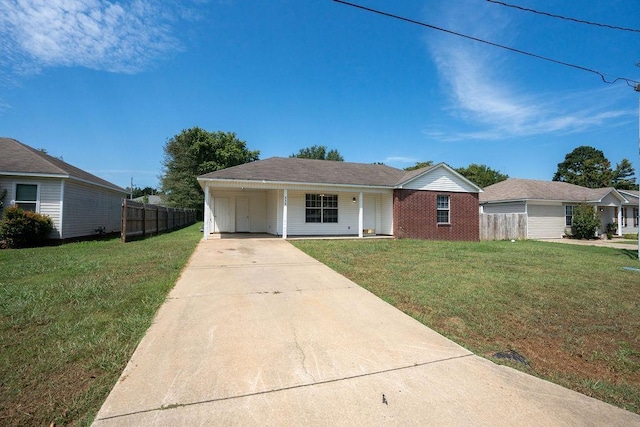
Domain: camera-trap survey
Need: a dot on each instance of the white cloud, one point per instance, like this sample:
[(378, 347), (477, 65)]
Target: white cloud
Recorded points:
[(483, 94), (121, 37)]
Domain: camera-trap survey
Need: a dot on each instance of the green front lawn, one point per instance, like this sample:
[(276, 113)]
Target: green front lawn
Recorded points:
[(572, 311), (71, 317)]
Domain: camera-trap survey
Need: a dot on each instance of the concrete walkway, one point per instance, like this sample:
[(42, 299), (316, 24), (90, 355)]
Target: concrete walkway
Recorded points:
[(255, 332)]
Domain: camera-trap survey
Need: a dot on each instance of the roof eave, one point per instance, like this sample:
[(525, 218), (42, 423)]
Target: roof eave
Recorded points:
[(290, 183)]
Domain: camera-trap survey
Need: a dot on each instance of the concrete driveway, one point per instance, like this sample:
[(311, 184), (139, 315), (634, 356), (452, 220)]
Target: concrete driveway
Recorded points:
[(255, 332)]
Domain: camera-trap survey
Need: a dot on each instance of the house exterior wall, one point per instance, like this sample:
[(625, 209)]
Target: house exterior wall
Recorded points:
[(49, 196), (257, 210), (545, 221), (87, 207), (347, 216), (266, 210), (439, 179), (507, 207), (415, 215)]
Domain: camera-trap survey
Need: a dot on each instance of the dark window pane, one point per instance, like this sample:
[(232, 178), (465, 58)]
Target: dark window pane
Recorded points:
[(313, 215), (26, 192)]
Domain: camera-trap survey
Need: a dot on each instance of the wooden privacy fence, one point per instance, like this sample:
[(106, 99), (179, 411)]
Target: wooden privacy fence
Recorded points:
[(141, 219), (503, 226)]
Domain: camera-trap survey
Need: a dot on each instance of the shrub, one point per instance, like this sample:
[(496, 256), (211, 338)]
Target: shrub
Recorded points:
[(24, 228), (585, 222)]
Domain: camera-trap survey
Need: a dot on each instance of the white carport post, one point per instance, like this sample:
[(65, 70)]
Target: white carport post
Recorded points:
[(284, 214), (361, 216), (207, 211), (620, 220)]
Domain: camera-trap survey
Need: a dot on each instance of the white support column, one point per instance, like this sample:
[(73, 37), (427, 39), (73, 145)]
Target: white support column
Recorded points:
[(284, 214), (620, 220), (207, 211), (361, 216)]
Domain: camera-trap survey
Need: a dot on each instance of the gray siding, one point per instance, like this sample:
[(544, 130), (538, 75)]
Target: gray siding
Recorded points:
[(545, 221), (507, 207), (88, 207), (439, 179)]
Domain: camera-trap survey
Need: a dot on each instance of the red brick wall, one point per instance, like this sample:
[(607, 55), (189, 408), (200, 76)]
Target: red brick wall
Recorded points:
[(414, 216)]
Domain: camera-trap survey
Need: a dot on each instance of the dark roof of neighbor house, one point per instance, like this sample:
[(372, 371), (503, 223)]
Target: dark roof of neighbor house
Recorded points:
[(19, 159), (516, 189), (293, 169)]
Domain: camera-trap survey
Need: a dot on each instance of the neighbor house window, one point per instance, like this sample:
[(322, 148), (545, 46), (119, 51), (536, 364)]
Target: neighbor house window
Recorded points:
[(568, 215), (321, 208), (624, 217), (443, 210), (27, 197), (635, 217)]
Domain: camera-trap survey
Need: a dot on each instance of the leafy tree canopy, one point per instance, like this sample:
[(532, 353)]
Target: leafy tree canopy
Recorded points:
[(194, 152), (482, 175), (585, 166), (139, 192), (318, 152), (419, 165)]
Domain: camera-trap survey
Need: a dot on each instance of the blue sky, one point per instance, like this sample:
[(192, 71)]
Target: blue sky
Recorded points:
[(104, 84)]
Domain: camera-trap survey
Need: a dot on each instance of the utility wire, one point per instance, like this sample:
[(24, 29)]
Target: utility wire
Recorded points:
[(629, 82), (580, 21)]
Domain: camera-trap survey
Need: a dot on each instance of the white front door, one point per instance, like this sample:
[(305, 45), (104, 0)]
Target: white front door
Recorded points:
[(369, 212), (221, 220), (242, 215)]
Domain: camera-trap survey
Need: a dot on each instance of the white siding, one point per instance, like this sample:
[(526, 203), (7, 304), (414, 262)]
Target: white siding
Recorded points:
[(258, 208), (50, 196), (48, 193), (545, 221), (386, 211), (265, 208), (440, 179), (513, 207), (272, 212), (88, 207)]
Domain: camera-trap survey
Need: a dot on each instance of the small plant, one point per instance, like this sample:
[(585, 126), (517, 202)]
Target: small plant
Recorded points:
[(611, 230), (585, 222), (20, 228)]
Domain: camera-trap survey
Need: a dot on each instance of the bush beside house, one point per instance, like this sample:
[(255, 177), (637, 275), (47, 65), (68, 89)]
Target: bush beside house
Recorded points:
[(20, 228)]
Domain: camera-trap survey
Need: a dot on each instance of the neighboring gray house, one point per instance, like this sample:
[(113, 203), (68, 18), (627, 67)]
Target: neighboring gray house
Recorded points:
[(549, 204), (630, 212), (303, 197), (79, 203)]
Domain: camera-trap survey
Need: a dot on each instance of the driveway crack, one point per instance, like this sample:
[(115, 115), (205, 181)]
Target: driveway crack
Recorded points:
[(304, 356)]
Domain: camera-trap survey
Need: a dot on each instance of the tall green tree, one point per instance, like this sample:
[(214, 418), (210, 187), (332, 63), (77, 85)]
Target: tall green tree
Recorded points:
[(318, 152), (419, 165), (624, 176), (482, 175), (194, 152), (585, 166)]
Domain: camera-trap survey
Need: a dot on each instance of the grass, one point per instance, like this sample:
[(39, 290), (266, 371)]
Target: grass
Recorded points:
[(572, 311), (71, 317)]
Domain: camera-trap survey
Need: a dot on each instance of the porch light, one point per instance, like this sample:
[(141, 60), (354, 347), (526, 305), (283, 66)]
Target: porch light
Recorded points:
[(353, 200)]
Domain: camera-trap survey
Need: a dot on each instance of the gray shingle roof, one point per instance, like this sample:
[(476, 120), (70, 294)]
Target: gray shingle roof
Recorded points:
[(19, 159), (292, 169), (515, 189)]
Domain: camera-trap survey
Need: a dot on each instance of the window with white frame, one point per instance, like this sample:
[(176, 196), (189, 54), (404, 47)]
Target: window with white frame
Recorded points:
[(568, 215), (624, 217), (443, 211), (635, 217), (27, 197), (321, 208)]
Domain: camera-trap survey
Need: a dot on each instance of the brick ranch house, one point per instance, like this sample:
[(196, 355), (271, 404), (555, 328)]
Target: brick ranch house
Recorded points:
[(303, 197)]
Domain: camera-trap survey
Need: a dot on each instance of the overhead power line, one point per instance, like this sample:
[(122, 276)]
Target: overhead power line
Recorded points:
[(566, 18), (603, 76)]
